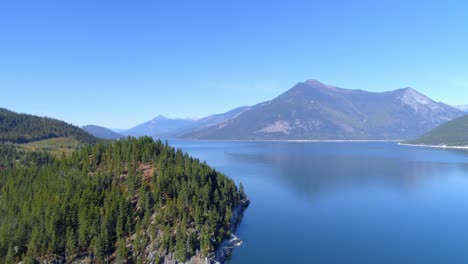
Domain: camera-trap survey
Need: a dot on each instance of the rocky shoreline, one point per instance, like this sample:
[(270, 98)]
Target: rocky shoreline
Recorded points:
[(224, 250)]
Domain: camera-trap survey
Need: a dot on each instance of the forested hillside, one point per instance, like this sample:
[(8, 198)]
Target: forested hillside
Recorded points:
[(23, 128), (12, 155), (132, 200), (452, 133)]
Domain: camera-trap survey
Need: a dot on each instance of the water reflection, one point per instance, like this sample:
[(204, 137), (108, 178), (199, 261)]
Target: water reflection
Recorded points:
[(346, 202), (312, 169)]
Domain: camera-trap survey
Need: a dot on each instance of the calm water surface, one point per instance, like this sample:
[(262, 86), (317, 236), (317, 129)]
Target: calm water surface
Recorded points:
[(346, 202)]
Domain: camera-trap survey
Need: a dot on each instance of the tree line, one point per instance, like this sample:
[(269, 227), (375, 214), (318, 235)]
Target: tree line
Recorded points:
[(23, 128)]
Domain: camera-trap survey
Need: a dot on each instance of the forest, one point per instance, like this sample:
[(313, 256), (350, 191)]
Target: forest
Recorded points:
[(23, 128), (112, 201)]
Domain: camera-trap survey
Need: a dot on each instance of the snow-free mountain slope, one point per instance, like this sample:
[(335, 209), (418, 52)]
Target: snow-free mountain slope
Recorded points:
[(317, 111)]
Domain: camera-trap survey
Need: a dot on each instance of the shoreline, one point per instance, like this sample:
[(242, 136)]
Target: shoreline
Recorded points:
[(224, 250), (295, 140), (433, 146)]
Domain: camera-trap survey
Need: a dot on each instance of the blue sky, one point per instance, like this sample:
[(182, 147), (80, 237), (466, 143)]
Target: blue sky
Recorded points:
[(120, 63)]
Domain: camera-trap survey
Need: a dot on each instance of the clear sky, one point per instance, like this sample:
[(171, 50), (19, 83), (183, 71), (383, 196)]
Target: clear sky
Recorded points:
[(120, 63)]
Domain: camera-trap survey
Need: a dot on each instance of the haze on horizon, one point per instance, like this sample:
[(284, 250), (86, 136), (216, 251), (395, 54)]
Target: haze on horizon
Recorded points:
[(117, 64)]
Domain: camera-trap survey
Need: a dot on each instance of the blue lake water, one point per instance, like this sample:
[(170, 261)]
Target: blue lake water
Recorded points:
[(345, 202)]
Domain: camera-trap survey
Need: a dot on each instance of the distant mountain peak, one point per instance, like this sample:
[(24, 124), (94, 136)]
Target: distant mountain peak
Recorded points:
[(414, 98), (409, 91), (163, 118), (317, 84), (314, 82), (159, 117), (308, 88), (159, 126)]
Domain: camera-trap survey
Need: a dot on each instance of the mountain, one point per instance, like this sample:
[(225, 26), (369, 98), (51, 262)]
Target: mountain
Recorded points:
[(452, 133), (118, 130), (316, 111), (462, 107), (24, 128), (219, 118), (166, 127), (160, 126), (211, 121), (102, 132)]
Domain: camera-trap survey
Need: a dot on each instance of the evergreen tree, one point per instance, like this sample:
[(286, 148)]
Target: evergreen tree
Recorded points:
[(10, 257), (71, 244), (121, 251), (180, 251)]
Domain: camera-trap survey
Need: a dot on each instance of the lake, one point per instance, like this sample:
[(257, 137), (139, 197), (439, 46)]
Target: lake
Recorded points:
[(345, 202)]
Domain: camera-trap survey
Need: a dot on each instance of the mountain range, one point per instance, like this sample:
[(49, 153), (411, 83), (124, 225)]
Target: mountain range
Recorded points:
[(102, 132), (210, 121), (162, 126), (312, 110), (159, 126)]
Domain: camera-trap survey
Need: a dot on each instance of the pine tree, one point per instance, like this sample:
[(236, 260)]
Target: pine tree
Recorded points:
[(227, 216), (205, 242), (241, 191), (10, 257), (180, 251), (121, 251), (100, 245), (71, 244)]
